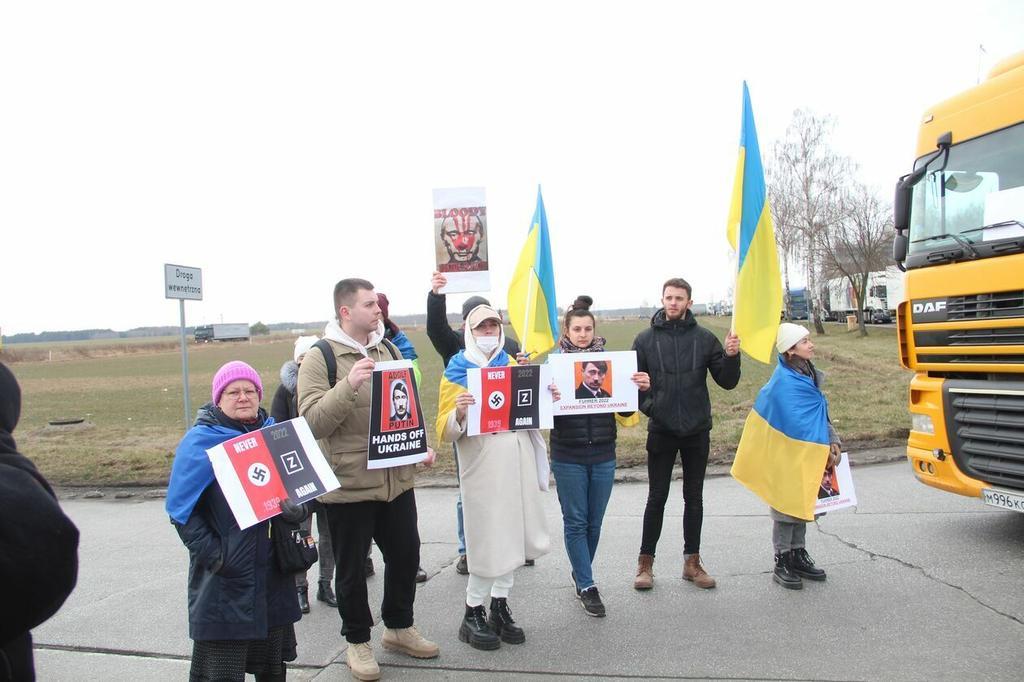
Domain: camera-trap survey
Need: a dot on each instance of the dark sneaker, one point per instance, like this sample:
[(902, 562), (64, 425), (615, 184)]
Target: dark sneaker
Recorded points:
[(800, 562), (591, 602), (529, 562), (461, 566)]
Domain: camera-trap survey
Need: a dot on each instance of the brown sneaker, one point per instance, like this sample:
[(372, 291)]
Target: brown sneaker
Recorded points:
[(361, 662), (644, 572), (695, 573), (409, 641)]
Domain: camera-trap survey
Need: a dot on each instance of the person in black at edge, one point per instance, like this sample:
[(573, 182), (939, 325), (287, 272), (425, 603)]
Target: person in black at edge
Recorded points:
[(447, 342), (38, 545)]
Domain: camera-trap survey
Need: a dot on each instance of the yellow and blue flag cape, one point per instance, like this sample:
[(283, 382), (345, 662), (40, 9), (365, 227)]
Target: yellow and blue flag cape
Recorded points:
[(757, 299), (531, 293), (785, 443), (453, 382)]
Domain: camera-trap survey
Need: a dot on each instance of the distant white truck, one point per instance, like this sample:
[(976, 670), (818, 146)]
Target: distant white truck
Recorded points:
[(884, 293), (222, 332)]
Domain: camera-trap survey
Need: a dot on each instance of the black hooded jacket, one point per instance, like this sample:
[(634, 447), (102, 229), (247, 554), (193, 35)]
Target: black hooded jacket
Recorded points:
[(678, 354), (38, 545)]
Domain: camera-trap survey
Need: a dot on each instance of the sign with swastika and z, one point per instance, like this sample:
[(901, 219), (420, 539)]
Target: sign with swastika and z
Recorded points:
[(514, 398), (257, 470)]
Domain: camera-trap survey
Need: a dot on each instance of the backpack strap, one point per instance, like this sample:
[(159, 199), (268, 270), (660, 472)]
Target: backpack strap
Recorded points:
[(329, 359)]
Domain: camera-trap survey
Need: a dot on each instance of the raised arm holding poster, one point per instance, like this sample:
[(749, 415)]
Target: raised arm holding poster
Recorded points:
[(258, 469), (397, 433), (592, 383), (461, 239), (512, 398)]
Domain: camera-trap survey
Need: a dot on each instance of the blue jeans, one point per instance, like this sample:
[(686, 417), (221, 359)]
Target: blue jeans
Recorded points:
[(583, 492)]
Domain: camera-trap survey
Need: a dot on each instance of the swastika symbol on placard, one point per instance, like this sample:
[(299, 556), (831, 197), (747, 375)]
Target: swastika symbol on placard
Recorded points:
[(496, 399), (258, 474)]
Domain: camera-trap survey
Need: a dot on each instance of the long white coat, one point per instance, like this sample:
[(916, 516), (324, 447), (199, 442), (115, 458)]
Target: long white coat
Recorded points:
[(502, 505)]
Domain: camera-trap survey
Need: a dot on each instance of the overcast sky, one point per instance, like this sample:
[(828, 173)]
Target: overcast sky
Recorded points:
[(283, 146)]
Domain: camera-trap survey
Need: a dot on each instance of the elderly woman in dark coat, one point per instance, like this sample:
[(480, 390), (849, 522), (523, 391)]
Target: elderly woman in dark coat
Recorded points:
[(241, 608)]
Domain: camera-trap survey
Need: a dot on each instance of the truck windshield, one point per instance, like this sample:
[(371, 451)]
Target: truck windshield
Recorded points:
[(982, 185)]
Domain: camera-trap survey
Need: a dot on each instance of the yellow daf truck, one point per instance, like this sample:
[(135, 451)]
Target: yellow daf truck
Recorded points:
[(959, 217)]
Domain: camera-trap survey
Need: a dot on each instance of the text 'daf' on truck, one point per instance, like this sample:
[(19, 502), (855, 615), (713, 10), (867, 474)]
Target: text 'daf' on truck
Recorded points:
[(959, 217)]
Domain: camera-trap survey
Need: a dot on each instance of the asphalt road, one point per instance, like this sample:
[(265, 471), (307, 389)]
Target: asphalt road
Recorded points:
[(921, 585)]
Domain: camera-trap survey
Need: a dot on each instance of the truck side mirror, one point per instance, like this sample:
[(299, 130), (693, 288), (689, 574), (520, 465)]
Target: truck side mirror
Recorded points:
[(901, 203), (899, 249)]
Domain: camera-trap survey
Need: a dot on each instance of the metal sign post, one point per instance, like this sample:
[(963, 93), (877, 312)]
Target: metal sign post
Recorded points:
[(183, 283)]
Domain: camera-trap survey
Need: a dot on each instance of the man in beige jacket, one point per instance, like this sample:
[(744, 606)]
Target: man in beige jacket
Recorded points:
[(377, 504)]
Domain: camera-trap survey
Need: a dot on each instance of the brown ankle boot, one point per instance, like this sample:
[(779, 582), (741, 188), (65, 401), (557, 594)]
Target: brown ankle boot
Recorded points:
[(695, 573), (644, 572)]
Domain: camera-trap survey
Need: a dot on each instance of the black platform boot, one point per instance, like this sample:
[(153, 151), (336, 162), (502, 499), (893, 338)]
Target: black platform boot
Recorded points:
[(802, 564), (325, 594), (784, 574), (304, 599), (476, 631), (502, 623)]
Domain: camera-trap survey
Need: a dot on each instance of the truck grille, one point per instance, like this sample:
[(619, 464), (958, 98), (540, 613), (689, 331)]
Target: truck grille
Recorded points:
[(975, 306), (985, 423), (1007, 336)]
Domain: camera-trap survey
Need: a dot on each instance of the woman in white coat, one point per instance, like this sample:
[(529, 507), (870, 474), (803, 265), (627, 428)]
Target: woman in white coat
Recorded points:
[(501, 490)]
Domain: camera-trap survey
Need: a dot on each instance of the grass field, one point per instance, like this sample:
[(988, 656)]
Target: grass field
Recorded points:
[(133, 399)]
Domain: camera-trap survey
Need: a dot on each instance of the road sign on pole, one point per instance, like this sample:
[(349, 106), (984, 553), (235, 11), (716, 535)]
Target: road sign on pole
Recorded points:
[(183, 283)]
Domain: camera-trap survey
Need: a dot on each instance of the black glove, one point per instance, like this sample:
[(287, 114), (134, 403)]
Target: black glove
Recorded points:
[(293, 513)]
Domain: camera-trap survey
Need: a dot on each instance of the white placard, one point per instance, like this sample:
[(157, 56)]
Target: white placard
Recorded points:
[(586, 389), (181, 281), (840, 483), (462, 239)]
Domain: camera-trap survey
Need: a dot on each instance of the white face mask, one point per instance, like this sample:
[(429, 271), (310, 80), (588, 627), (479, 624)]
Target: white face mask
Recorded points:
[(487, 344)]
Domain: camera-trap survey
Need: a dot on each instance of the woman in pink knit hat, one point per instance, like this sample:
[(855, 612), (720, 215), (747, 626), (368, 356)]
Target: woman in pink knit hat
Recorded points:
[(242, 609)]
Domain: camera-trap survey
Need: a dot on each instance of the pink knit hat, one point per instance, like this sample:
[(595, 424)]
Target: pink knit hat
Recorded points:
[(233, 371)]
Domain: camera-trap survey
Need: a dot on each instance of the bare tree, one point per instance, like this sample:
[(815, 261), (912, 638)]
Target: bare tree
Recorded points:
[(787, 233), (858, 244), (809, 177)]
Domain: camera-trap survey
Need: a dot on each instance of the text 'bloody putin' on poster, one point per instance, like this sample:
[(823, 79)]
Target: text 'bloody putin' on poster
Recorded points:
[(257, 470), (514, 398), (397, 433)]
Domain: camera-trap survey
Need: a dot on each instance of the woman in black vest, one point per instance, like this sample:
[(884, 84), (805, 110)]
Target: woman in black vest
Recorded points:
[(583, 462)]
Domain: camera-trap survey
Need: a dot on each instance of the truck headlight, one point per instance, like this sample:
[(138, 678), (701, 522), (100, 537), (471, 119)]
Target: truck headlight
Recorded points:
[(922, 423)]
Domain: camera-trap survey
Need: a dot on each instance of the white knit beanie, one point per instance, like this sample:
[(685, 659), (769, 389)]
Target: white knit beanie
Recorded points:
[(302, 345), (789, 335)]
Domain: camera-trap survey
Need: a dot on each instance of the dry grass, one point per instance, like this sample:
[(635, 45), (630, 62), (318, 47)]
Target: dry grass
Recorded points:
[(134, 398)]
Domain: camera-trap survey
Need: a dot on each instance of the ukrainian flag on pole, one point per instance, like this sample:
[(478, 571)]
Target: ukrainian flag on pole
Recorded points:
[(531, 294), (757, 297)]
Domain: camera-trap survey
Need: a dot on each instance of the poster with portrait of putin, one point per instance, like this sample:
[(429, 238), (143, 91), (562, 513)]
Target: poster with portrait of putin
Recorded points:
[(461, 239), (397, 433), (591, 383)]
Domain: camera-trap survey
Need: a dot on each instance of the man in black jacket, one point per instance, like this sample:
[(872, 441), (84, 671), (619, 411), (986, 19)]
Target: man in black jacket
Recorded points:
[(677, 353), (447, 342)]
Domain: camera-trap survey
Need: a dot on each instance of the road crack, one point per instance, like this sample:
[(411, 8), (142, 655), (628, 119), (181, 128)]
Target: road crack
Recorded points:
[(930, 576)]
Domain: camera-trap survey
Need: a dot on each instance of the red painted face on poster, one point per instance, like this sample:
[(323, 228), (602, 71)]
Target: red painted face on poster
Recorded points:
[(462, 236)]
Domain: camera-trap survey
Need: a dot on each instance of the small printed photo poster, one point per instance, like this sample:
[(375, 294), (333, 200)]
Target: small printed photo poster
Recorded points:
[(836, 489), (257, 470), (512, 398), (591, 383), (397, 433), (461, 239)]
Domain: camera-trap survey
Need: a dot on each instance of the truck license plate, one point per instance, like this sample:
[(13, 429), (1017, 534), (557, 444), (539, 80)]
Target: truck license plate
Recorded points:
[(1003, 499)]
